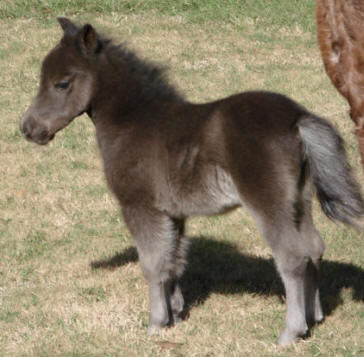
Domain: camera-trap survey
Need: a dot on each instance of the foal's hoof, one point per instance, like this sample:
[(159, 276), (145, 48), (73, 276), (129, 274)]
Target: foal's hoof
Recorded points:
[(288, 337), (319, 317), (152, 330), (316, 317), (176, 318)]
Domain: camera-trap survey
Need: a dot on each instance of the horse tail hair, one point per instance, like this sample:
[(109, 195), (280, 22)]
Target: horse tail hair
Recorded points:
[(338, 192)]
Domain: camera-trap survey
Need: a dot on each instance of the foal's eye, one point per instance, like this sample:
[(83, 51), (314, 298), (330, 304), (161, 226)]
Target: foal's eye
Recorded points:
[(62, 85)]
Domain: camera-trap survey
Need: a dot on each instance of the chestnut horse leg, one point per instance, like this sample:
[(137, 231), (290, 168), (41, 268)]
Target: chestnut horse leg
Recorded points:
[(360, 136), (340, 25)]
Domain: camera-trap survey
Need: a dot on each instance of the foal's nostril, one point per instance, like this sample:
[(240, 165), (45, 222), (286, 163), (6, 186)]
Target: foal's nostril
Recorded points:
[(43, 134), (28, 126)]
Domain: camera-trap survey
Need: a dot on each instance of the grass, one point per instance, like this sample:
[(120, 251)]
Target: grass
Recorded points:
[(70, 283), (275, 12)]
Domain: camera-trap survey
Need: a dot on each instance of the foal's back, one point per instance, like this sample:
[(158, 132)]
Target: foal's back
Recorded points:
[(200, 159)]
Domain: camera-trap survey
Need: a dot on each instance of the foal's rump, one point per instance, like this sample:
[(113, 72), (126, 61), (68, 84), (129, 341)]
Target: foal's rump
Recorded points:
[(263, 150), (275, 147)]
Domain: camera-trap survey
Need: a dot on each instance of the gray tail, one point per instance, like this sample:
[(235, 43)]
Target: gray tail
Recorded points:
[(338, 192)]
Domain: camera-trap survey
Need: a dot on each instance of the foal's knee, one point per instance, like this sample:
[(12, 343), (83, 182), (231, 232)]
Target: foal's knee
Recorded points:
[(293, 265), (155, 267)]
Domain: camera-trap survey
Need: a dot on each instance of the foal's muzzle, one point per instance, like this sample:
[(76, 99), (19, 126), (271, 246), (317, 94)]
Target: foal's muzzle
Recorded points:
[(35, 132)]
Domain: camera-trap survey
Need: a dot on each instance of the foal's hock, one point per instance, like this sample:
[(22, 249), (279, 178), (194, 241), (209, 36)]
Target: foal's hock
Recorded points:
[(166, 159)]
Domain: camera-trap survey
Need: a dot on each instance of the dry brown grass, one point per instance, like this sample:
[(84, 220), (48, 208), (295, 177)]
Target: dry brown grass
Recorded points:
[(57, 218)]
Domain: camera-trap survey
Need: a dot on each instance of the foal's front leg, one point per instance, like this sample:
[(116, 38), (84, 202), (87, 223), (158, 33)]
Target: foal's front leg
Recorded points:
[(159, 314), (155, 237)]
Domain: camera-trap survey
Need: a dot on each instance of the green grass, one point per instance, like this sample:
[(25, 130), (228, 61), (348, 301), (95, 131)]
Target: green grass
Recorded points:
[(265, 13), (70, 283)]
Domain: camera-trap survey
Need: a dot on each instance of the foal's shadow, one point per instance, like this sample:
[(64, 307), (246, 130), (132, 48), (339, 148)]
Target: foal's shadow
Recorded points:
[(218, 267)]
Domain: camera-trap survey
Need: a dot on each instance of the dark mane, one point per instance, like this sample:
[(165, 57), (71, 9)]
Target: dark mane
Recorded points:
[(152, 77)]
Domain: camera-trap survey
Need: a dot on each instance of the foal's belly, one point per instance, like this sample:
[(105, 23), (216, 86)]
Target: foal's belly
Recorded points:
[(214, 193)]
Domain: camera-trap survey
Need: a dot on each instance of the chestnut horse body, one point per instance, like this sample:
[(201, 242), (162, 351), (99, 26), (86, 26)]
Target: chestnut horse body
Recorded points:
[(340, 34), (166, 159)]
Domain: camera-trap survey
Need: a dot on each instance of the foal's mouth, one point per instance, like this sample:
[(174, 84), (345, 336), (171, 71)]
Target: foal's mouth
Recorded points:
[(40, 140), (43, 141)]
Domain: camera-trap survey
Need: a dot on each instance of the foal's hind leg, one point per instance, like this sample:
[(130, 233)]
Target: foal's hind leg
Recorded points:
[(298, 249), (292, 259), (312, 296), (316, 248), (180, 253)]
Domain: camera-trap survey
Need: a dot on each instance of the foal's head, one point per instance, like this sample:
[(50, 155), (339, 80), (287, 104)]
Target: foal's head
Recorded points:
[(67, 83)]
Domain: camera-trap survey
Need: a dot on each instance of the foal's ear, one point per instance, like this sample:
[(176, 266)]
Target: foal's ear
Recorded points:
[(89, 39), (66, 24)]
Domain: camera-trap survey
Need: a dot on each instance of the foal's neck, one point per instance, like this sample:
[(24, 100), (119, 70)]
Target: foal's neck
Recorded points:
[(127, 83)]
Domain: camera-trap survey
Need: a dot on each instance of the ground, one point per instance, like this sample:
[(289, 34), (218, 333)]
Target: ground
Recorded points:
[(70, 283)]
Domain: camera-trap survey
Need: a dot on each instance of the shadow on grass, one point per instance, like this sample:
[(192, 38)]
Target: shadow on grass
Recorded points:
[(218, 267), (129, 255)]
